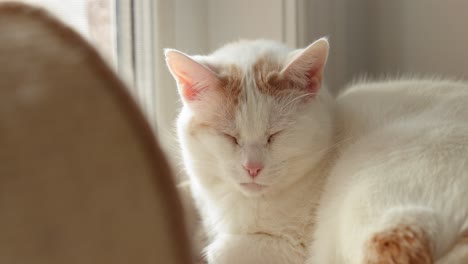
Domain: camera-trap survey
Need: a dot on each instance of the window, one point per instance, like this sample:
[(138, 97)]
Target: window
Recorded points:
[(94, 19), (120, 30)]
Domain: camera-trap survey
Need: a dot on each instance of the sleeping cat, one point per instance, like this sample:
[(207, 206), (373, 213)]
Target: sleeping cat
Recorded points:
[(255, 134), (263, 143)]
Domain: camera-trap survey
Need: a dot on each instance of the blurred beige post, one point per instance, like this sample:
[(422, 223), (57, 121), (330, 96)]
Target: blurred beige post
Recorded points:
[(82, 179)]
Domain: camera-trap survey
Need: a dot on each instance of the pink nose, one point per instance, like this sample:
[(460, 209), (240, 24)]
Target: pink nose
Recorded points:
[(253, 169)]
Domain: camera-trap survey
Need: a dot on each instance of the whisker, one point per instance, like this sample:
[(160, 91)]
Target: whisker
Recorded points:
[(297, 98), (335, 145)]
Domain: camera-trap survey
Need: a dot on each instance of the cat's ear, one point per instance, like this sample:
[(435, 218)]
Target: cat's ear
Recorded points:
[(306, 68), (193, 79)]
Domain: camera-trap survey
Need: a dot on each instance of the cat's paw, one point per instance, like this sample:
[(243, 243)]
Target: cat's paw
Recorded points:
[(405, 236), (402, 244)]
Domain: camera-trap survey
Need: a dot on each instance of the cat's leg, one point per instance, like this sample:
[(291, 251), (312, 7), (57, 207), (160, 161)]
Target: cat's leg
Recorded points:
[(253, 249), (409, 235)]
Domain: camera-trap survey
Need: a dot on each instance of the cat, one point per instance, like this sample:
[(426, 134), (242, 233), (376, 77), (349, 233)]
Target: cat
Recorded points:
[(283, 172), (255, 131)]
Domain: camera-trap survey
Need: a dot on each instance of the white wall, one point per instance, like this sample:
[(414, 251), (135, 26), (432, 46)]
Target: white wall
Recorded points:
[(390, 38), (191, 26), (202, 26), (422, 36), (232, 20)]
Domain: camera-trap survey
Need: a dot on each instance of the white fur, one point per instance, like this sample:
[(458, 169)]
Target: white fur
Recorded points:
[(405, 162)]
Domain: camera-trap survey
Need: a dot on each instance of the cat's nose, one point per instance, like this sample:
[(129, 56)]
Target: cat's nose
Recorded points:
[(253, 169)]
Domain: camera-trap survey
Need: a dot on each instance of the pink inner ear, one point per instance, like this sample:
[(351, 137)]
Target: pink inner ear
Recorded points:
[(310, 79), (306, 69), (314, 81), (192, 77), (189, 92)]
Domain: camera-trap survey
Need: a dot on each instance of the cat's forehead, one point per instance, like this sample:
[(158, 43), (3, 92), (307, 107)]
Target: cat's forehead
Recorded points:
[(253, 93), (250, 73), (248, 66), (254, 97), (244, 83)]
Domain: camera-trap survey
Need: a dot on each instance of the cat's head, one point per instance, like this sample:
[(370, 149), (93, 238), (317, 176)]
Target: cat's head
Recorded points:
[(254, 114)]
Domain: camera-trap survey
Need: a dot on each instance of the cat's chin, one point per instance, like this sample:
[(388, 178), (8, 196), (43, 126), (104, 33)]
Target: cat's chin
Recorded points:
[(252, 188)]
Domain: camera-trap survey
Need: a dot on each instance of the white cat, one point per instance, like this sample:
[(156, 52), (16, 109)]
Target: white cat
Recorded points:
[(255, 135), (262, 141)]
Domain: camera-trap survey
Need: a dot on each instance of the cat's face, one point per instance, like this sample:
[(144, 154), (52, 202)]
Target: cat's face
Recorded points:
[(258, 126)]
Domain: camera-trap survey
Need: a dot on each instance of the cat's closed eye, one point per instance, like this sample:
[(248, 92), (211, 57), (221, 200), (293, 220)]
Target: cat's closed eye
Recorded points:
[(231, 138), (272, 136)]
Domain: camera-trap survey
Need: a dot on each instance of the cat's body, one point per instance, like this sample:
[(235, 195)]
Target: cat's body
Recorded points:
[(260, 137), (399, 189)]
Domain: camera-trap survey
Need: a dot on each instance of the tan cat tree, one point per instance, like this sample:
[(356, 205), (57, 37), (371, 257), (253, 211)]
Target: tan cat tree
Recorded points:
[(82, 179)]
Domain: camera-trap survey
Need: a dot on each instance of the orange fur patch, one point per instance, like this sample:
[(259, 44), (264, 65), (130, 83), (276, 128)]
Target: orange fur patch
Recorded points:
[(231, 81), (400, 245), (229, 92), (267, 76)]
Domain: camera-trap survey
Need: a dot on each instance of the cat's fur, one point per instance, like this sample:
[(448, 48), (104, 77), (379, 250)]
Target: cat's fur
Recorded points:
[(396, 152), (398, 192)]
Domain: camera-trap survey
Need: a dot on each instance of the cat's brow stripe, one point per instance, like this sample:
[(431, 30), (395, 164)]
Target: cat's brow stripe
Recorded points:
[(266, 74), (231, 81), (230, 88)]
